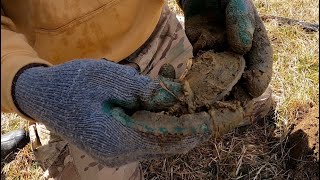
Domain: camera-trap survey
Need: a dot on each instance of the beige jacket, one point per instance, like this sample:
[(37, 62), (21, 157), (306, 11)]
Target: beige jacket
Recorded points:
[(56, 31)]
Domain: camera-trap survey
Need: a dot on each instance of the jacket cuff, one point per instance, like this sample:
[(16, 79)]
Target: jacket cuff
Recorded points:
[(10, 67)]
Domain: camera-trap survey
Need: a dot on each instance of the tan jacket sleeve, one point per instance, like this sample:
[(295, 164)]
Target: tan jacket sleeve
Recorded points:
[(15, 54)]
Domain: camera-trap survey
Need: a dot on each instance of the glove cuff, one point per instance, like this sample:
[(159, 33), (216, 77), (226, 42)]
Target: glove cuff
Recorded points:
[(13, 86)]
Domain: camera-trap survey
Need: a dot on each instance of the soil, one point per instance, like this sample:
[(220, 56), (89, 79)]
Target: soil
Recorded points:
[(258, 55), (212, 76), (304, 147), (205, 37)]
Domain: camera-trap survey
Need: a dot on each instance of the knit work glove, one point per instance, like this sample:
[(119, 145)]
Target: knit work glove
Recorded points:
[(232, 25), (83, 101)]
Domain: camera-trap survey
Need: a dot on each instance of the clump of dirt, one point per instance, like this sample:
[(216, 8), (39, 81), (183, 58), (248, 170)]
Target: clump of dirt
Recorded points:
[(212, 76), (207, 33), (203, 36), (304, 147)]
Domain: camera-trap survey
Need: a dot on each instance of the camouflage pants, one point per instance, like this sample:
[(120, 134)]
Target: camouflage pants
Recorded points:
[(61, 160)]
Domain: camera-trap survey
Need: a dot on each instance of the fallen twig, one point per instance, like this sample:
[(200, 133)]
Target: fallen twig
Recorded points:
[(309, 27)]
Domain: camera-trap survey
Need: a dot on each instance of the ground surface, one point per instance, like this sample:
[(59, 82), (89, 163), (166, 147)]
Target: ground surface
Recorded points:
[(304, 144), (285, 145)]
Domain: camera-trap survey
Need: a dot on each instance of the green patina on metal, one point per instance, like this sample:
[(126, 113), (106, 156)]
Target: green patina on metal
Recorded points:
[(161, 96), (126, 120), (205, 128), (194, 131), (179, 129), (148, 129), (118, 114), (163, 130), (164, 98)]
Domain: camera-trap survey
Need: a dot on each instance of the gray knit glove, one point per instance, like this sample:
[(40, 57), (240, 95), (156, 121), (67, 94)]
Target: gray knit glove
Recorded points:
[(83, 101)]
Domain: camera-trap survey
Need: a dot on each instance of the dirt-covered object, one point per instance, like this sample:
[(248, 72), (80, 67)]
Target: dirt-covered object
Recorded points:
[(201, 108), (204, 36), (212, 76), (159, 124), (239, 93), (220, 118), (244, 33)]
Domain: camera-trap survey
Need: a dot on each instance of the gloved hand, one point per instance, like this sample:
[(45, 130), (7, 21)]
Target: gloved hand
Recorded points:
[(83, 101), (232, 25)]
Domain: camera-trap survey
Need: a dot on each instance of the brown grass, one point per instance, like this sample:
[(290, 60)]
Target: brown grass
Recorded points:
[(237, 155)]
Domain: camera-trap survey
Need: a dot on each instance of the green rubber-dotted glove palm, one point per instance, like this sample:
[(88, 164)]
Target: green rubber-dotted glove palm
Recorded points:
[(83, 101), (232, 25)]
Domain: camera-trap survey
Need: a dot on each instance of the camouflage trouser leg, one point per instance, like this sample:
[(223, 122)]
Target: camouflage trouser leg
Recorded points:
[(64, 161), (167, 45)]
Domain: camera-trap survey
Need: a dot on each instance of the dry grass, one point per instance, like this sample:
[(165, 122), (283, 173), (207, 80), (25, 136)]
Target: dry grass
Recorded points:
[(256, 152), (241, 154), (296, 57), (305, 10), (23, 166)]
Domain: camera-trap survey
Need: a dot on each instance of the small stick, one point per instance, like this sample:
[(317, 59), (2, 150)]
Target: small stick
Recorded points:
[(305, 25)]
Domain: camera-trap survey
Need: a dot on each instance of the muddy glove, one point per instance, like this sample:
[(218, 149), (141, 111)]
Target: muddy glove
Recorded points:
[(235, 25), (83, 101)]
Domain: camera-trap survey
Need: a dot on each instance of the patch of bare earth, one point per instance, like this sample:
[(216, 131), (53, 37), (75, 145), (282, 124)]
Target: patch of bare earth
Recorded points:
[(303, 143)]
